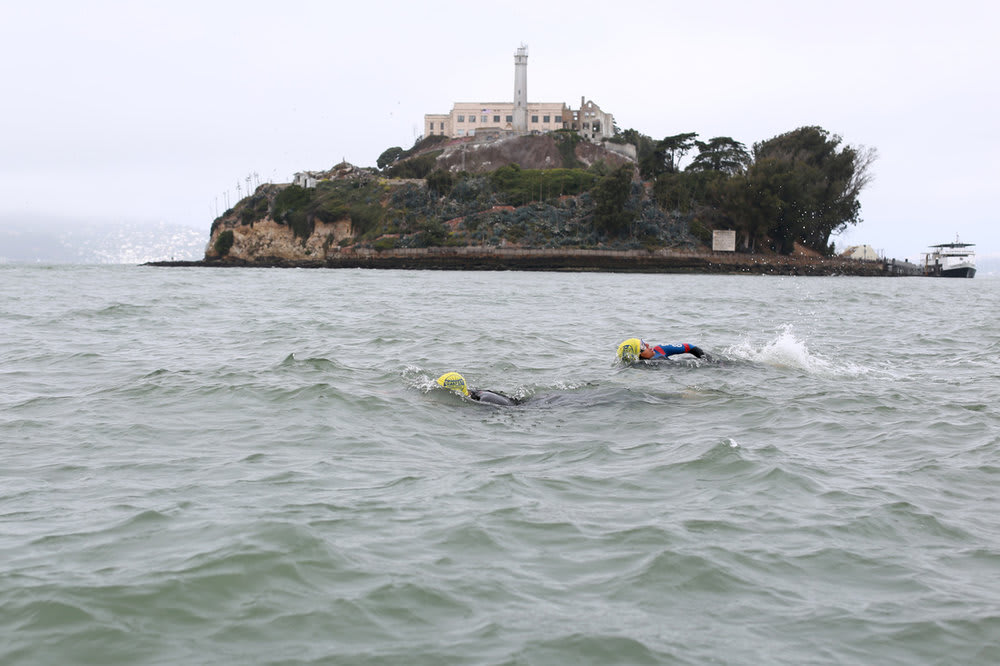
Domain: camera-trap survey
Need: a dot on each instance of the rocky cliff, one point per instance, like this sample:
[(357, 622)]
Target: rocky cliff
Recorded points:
[(543, 151)]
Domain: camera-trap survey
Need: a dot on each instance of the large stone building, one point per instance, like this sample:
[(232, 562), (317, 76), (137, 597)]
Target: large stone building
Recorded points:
[(520, 116)]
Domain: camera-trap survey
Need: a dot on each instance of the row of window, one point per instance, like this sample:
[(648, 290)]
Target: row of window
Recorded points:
[(586, 127), (485, 119), (510, 119)]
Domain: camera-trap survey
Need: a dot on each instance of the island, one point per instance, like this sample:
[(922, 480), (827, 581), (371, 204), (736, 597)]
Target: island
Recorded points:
[(558, 201)]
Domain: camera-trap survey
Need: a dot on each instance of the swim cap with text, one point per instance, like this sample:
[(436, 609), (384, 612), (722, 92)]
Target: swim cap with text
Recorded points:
[(453, 381), (628, 351)]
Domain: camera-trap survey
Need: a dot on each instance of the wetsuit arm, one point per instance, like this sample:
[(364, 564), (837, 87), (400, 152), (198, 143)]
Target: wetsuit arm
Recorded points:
[(663, 351), (491, 397)]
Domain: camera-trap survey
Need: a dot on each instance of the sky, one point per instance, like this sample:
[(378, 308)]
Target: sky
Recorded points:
[(159, 111)]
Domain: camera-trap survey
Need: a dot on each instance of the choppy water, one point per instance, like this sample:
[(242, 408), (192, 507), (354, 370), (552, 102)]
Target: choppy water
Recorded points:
[(255, 466)]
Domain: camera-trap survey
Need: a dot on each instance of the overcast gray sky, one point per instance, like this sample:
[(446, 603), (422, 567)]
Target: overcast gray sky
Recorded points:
[(153, 111)]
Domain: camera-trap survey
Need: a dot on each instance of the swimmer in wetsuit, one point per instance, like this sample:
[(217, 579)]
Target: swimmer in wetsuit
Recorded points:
[(634, 349), (456, 383)]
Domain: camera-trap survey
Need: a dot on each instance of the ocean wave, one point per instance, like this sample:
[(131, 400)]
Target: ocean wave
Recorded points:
[(788, 351)]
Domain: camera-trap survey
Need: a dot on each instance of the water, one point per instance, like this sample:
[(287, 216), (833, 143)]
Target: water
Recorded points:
[(220, 466)]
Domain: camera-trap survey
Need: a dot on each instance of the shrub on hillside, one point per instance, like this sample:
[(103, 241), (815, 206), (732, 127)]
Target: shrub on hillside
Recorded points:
[(291, 207), (414, 167), (224, 242)]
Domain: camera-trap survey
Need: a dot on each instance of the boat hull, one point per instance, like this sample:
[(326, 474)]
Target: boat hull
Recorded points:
[(963, 272)]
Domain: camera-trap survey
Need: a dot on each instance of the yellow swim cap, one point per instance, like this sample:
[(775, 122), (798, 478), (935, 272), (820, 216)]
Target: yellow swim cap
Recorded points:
[(453, 381), (628, 351)]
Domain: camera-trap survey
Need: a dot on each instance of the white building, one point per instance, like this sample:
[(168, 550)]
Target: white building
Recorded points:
[(521, 116), (861, 252)]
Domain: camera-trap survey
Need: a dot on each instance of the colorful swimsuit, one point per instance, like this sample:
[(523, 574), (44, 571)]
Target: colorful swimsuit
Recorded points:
[(663, 351)]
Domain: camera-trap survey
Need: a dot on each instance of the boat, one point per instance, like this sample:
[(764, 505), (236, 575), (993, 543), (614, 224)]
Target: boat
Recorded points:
[(951, 260)]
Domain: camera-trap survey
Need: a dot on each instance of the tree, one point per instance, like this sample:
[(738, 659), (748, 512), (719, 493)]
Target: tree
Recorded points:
[(809, 185), (721, 153), (671, 149), (388, 157), (777, 200), (644, 147), (685, 190), (610, 195), (746, 210), (671, 192)]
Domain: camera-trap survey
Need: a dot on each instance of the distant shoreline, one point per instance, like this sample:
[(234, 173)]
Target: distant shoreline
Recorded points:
[(521, 259)]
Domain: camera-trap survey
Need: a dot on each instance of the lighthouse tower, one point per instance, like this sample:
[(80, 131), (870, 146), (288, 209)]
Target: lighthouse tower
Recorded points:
[(521, 90)]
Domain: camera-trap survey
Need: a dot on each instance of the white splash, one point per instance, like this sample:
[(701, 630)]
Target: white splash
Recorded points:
[(788, 351)]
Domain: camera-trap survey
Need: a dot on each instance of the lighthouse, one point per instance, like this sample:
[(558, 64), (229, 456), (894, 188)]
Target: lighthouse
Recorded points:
[(521, 90)]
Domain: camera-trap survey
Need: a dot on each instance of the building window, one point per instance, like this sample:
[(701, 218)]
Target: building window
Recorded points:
[(558, 119), (534, 119), (510, 119), (472, 119), (461, 119), (485, 119), (496, 119), (546, 119)]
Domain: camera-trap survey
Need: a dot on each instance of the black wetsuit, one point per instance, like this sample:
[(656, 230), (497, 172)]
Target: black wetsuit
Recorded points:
[(492, 397)]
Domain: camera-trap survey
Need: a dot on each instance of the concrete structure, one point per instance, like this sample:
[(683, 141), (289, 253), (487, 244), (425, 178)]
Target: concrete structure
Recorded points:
[(723, 240), (521, 90), (861, 252), (305, 178), (520, 116)]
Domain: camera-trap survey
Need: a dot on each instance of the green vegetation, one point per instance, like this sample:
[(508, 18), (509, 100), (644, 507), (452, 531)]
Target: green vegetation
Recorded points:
[(807, 186), (415, 167), (393, 160), (330, 201), (518, 186), (292, 207), (566, 141), (610, 213), (389, 157), (797, 187), (440, 182), (224, 242), (720, 155)]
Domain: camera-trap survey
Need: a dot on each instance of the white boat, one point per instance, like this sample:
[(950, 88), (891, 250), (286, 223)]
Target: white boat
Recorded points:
[(951, 260)]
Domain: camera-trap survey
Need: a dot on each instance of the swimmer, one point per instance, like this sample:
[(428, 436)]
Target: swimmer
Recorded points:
[(456, 383), (634, 349)]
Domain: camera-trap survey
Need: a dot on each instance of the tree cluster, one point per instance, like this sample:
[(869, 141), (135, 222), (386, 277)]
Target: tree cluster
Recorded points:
[(798, 187)]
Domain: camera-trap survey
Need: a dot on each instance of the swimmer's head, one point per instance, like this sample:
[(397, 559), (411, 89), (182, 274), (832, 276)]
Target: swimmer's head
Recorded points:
[(628, 351), (454, 381)]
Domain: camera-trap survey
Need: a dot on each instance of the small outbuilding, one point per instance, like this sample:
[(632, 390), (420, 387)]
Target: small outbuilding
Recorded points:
[(860, 252)]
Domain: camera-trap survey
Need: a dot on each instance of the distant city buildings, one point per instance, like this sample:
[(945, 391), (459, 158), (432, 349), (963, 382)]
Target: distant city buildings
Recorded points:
[(520, 116)]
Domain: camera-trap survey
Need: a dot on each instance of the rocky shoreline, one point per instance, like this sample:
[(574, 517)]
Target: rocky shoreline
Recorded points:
[(627, 261)]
